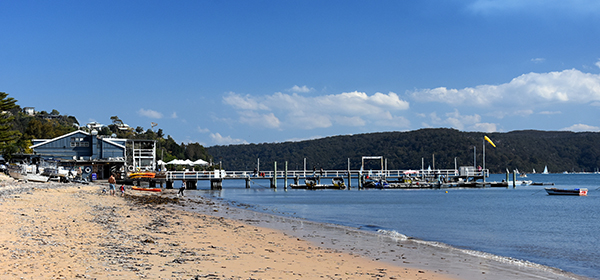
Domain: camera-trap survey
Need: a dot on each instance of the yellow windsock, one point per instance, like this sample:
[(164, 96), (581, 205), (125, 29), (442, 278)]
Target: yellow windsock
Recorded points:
[(489, 140)]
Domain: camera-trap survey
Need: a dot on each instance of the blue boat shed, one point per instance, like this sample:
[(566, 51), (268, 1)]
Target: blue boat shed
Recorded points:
[(80, 149)]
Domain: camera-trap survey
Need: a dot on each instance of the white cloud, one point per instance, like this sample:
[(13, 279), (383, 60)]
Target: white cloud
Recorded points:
[(549, 112), (350, 121), (150, 113), (581, 127), (300, 119), (174, 115), (550, 7), (568, 86), (484, 127), (598, 63), (202, 130), (462, 122), (265, 120), (302, 89), (220, 140), (538, 60), (242, 102), (299, 111), (303, 139)]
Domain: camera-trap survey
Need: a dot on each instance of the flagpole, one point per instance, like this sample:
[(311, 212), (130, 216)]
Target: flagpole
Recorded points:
[(483, 169)]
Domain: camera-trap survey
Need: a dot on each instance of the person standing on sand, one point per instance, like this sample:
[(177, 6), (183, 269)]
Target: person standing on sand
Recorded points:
[(122, 190), (111, 184)]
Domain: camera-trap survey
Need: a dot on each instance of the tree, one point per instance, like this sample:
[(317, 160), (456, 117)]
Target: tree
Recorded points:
[(55, 112), (8, 136), (116, 120)]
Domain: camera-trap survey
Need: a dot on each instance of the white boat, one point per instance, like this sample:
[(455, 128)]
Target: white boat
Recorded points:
[(26, 172), (545, 170), (520, 182)]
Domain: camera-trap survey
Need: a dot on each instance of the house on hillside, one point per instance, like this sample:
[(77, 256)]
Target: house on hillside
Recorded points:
[(29, 111), (96, 154), (94, 125)]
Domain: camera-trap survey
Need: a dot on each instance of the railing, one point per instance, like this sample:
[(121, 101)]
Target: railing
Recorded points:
[(205, 175)]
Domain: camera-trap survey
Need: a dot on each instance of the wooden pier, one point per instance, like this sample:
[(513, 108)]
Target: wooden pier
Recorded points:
[(466, 177)]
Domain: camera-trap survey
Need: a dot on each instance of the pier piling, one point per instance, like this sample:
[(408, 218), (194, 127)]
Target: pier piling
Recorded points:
[(514, 179), (285, 176), (216, 183), (191, 185), (274, 180)]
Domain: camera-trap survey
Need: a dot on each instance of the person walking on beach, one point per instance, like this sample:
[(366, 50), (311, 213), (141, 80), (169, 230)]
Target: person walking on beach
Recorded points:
[(181, 189), (122, 190), (111, 184)]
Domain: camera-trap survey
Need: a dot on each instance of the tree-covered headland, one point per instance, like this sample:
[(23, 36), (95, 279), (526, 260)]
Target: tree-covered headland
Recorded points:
[(18, 128), (437, 148)]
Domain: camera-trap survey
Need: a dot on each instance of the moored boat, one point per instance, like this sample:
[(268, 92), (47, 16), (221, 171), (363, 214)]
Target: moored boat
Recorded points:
[(555, 191), (521, 182), (545, 170), (338, 182)]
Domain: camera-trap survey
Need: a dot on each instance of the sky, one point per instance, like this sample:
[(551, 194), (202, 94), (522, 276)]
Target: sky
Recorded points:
[(232, 72)]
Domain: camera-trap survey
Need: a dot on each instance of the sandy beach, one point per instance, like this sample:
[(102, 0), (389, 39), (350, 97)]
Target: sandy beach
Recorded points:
[(71, 231)]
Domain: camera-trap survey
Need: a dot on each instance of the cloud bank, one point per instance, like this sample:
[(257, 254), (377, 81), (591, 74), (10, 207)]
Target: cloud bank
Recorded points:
[(281, 110), (568, 86)]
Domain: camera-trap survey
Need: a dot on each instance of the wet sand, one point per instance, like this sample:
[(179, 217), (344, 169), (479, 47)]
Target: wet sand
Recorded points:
[(70, 231)]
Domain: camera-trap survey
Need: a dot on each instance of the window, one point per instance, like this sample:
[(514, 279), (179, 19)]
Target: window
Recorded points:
[(79, 142)]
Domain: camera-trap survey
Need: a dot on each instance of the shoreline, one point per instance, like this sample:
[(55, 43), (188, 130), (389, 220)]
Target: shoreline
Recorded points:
[(65, 231), (369, 254), (392, 247)]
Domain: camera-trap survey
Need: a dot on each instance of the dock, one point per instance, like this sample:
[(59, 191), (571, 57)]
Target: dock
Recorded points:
[(464, 177)]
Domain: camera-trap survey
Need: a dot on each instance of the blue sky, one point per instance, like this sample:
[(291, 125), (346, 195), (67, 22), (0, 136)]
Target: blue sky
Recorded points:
[(226, 72)]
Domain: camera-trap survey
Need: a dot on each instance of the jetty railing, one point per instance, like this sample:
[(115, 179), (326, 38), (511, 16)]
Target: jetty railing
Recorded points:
[(222, 174)]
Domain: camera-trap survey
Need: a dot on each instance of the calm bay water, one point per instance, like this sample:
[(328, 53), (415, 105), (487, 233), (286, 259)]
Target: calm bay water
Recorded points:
[(523, 223)]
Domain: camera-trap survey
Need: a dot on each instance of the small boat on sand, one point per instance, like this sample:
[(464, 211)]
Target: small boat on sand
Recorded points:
[(555, 191), (138, 175), (146, 189)]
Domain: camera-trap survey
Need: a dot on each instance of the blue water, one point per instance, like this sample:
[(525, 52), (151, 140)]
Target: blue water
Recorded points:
[(523, 223)]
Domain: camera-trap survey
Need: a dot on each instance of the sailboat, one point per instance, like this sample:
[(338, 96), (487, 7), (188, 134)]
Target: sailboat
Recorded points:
[(545, 170)]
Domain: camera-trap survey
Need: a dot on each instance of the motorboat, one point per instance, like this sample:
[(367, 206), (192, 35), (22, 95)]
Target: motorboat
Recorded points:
[(27, 172), (556, 191), (376, 184), (338, 183), (521, 182)]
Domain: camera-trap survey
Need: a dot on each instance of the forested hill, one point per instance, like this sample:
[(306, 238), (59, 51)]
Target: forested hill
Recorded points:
[(522, 150)]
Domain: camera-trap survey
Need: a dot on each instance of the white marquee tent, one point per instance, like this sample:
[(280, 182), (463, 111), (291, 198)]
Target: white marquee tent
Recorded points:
[(187, 162)]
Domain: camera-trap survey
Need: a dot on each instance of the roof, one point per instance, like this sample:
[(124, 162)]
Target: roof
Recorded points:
[(108, 140), (46, 141)]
